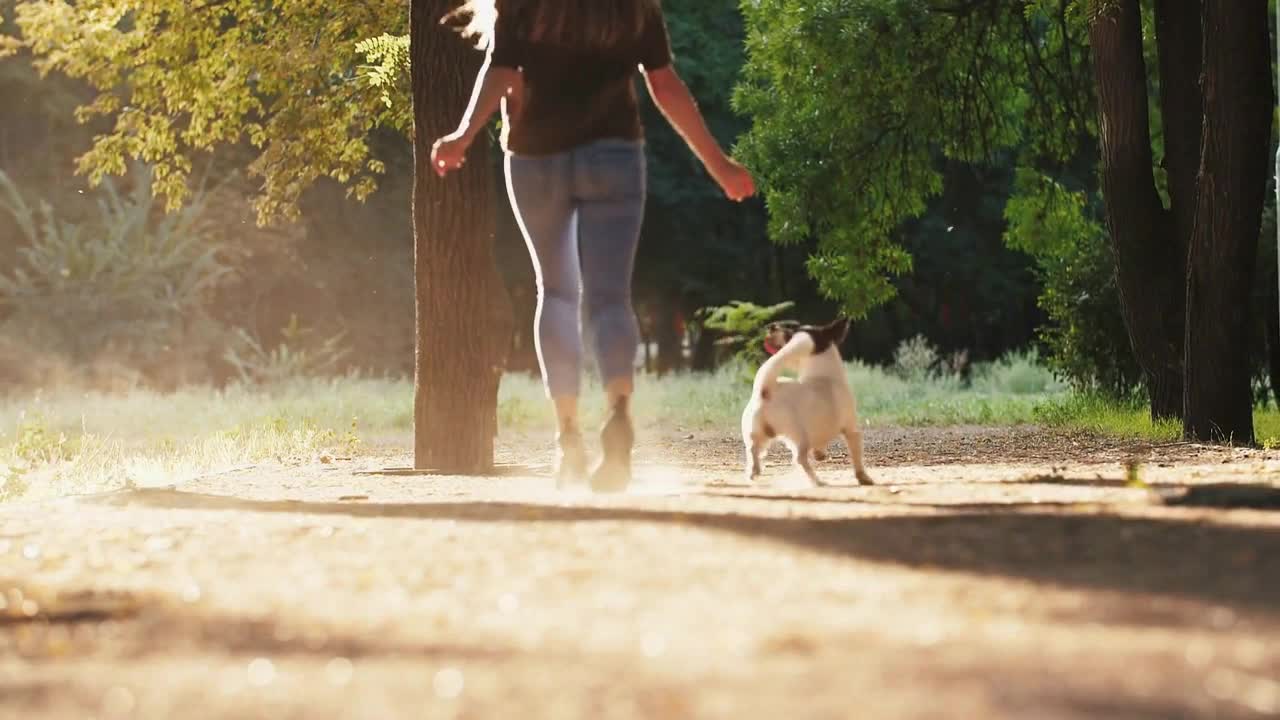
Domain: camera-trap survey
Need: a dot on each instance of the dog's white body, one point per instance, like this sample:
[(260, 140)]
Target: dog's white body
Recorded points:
[(806, 413)]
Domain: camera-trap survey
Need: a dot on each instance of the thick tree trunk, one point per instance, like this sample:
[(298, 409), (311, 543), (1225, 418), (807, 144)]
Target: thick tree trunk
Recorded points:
[(1238, 107), (1178, 41), (463, 312), (1149, 263)]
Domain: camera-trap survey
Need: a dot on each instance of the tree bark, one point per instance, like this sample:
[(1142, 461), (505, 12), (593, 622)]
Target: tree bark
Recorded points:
[(1238, 106), (704, 351), (1272, 334), (670, 357), (463, 313), (1178, 40), (1149, 262)]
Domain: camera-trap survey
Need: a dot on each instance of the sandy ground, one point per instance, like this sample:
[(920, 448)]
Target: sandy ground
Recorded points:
[(990, 574)]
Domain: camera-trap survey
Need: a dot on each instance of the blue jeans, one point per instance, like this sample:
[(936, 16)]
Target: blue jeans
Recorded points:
[(580, 212)]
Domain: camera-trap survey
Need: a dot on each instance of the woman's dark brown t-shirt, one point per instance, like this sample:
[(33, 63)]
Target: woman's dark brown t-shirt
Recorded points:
[(573, 97)]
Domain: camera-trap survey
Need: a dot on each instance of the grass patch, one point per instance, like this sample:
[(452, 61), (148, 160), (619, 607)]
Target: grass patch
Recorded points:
[(1003, 393), (63, 442), (1127, 419), (74, 442), (1131, 419)]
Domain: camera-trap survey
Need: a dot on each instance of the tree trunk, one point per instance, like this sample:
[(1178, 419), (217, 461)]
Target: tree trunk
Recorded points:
[(704, 351), (1272, 332), (1238, 107), (463, 313), (1273, 314), (1149, 264), (1178, 41), (670, 357)]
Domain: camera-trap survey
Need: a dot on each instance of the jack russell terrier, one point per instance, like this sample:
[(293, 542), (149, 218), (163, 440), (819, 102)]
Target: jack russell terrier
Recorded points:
[(806, 413)]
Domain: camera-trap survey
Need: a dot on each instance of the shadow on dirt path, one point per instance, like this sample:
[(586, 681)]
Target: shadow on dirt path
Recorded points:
[(1232, 565)]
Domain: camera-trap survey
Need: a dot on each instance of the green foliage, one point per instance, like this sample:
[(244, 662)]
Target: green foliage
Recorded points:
[(289, 360), (177, 79), (35, 444), (388, 73), (1016, 373), (127, 277), (984, 83), (1087, 339), (741, 326), (915, 359), (854, 103)]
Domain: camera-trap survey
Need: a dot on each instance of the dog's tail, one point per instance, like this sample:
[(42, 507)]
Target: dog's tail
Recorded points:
[(767, 376)]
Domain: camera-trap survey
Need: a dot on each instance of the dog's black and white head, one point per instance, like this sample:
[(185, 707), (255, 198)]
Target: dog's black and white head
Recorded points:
[(778, 334)]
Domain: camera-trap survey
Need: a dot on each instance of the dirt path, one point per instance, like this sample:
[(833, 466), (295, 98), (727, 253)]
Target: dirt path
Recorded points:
[(992, 574)]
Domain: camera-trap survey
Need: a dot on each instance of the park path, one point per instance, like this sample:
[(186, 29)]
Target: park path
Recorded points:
[(992, 574)]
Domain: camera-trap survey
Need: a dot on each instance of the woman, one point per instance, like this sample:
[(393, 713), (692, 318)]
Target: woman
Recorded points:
[(563, 72)]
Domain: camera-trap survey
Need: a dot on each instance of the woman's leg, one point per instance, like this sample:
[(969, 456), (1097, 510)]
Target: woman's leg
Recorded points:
[(541, 198), (610, 189)]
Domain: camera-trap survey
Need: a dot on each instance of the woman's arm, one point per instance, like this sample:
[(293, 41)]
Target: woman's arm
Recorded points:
[(675, 101), (493, 83)]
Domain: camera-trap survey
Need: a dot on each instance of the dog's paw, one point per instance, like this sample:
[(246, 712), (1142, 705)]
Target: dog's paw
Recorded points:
[(864, 478), (820, 455)]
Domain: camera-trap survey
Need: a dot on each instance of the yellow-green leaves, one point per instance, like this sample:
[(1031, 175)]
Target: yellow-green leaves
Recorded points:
[(388, 68), (179, 78)]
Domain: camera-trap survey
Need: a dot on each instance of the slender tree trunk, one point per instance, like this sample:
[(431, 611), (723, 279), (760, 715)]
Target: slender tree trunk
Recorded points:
[(1149, 263), (1272, 334), (1178, 40), (1238, 108), (1273, 314), (670, 358), (463, 313), (704, 351)]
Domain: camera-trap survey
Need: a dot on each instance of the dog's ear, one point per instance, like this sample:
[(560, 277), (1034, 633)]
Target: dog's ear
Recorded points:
[(825, 336), (838, 330)]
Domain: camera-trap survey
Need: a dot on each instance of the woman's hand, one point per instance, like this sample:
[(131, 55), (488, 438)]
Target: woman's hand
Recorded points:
[(449, 153), (734, 179)]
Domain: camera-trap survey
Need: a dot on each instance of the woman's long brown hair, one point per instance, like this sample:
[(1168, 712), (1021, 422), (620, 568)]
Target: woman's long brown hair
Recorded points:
[(578, 24)]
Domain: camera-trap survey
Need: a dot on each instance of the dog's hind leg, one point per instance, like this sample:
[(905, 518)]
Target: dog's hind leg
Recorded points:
[(802, 455), (854, 439), (755, 448)]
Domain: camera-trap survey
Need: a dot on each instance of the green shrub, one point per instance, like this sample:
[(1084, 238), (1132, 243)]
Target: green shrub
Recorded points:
[(1017, 373), (915, 360), (1086, 337), (741, 327), (127, 280), (290, 359)]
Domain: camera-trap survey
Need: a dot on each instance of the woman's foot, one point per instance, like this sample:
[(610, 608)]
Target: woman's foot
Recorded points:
[(571, 458), (613, 474)]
